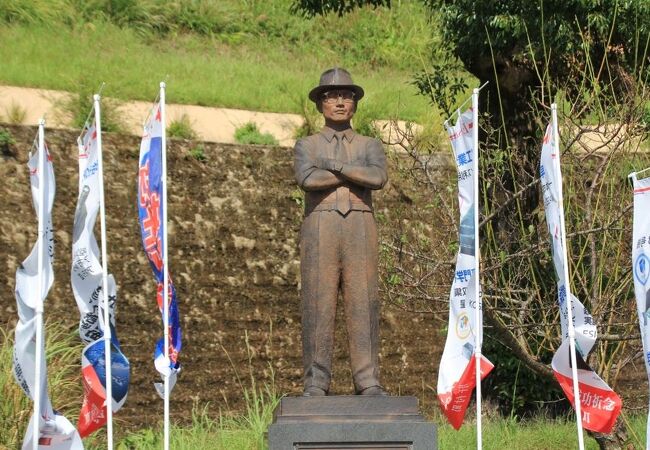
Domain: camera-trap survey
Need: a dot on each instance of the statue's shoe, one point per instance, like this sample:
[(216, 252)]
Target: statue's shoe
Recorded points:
[(374, 390), (314, 391)]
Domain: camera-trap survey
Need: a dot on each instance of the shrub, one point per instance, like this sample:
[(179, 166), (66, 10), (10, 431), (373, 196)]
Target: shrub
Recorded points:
[(181, 128), (250, 134), (198, 153), (6, 139), (312, 124), (36, 11), (141, 16), (517, 391), (15, 114), (79, 106), (312, 119), (364, 121)]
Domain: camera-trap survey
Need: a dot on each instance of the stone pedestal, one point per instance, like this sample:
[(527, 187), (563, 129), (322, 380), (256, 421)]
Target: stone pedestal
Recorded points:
[(350, 422)]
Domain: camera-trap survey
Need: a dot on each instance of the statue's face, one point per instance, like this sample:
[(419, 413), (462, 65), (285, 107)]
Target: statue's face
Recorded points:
[(338, 106)]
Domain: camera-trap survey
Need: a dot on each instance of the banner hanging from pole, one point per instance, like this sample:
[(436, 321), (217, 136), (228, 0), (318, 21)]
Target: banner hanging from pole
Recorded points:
[(55, 431), (600, 405), (457, 370), (641, 268), (86, 280), (152, 229)]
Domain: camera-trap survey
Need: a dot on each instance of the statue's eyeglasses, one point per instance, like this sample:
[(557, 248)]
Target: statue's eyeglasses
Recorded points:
[(333, 96)]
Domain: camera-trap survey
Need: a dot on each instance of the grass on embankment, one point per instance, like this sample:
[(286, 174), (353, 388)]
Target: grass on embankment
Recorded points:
[(237, 433), (63, 353), (535, 434), (246, 430), (268, 62)]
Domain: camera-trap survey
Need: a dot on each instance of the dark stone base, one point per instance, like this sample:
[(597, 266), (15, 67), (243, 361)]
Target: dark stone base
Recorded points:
[(350, 422)]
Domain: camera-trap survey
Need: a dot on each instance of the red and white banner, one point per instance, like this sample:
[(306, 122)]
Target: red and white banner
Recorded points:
[(641, 268), (600, 405), (54, 430), (457, 370)]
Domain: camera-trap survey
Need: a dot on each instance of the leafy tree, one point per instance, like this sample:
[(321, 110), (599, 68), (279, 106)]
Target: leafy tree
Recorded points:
[(529, 51)]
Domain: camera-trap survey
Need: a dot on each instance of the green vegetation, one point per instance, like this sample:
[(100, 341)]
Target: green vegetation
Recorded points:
[(536, 434), (216, 53), (312, 119), (250, 134), (363, 121), (246, 430), (198, 153), (6, 139), (79, 108), (181, 128), (377, 37), (15, 114), (238, 433), (226, 432), (64, 382)]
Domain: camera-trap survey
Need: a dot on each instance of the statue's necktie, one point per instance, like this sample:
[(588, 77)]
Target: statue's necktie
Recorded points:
[(342, 192)]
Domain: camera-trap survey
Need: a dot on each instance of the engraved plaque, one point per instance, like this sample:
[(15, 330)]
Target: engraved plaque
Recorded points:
[(354, 446)]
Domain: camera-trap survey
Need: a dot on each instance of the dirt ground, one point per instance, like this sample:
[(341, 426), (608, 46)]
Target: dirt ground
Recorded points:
[(233, 233), (211, 124)]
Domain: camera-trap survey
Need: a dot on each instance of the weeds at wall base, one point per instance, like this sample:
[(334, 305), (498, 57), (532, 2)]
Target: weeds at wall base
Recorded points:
[(63, 351), (15, 114), (250, 134), (182, 128)]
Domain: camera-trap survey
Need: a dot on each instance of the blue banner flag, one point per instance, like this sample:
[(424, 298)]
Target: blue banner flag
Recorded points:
[(152, 229)]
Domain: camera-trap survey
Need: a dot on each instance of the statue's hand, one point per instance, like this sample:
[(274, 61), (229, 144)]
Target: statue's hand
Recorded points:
[(330, 164)]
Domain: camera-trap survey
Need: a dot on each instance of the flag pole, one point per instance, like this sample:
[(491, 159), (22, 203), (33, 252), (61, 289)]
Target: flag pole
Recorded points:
[(107, 319), (165, 265), (38, 356), (477, 281), (567, 284), (460, 107)]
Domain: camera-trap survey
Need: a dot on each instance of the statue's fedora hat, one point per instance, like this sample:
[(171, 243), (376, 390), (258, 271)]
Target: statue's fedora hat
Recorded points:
[(336, 78)]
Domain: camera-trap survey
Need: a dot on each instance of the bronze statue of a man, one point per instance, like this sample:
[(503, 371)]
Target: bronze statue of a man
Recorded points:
[(338, 169)]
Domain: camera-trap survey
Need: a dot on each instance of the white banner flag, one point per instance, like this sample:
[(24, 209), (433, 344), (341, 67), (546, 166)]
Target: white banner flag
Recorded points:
[(86, 273), (599, 403), (55, 431), (641, 268), (86, 278), (456, 373)]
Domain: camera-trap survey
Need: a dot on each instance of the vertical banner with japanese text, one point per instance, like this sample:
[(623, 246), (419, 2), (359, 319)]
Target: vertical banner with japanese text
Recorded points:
[(600, 405), (641, 268), (457, 370), (54, 430), (86, 280), (152, 228)]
